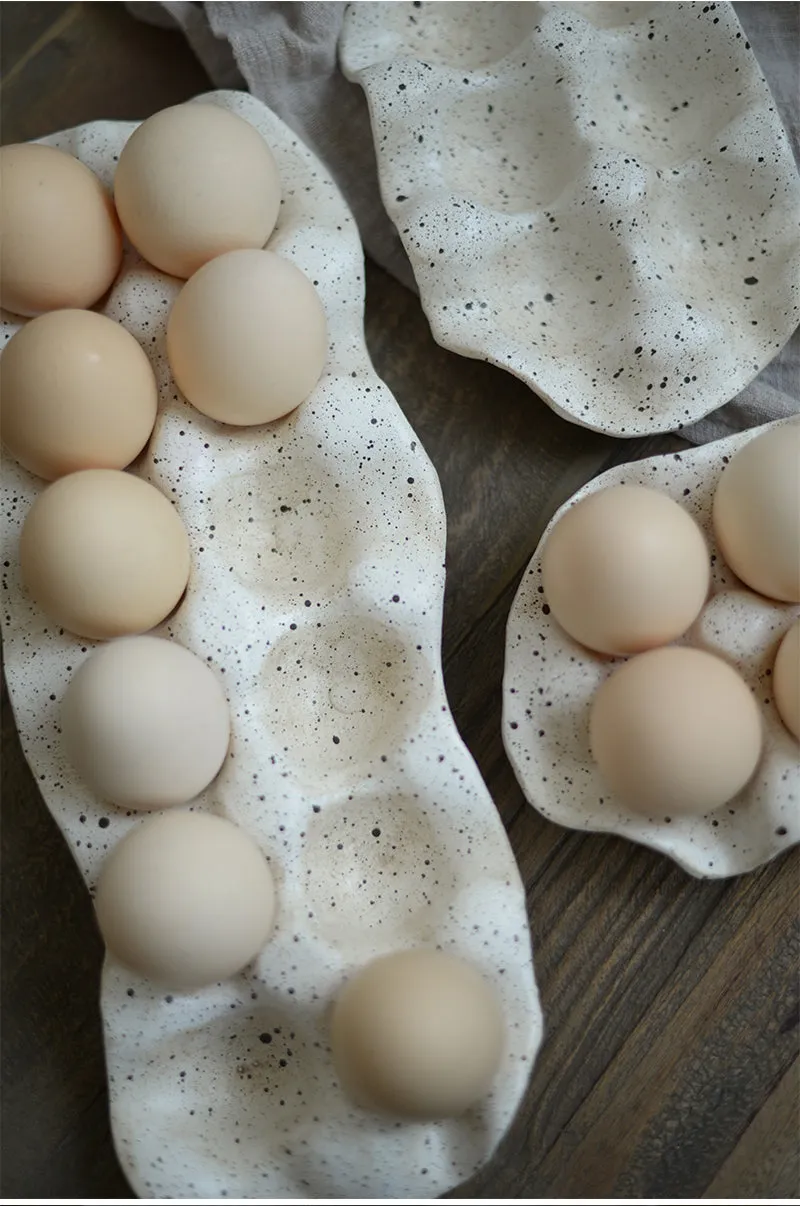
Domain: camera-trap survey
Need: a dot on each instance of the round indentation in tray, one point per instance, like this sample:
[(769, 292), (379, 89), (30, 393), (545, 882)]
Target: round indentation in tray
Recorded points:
[(494, 168), (550, 681), (377, 867), (286, 527), (275, 1079), (342, 693), (746, 630), (463, 36), (615, 15)]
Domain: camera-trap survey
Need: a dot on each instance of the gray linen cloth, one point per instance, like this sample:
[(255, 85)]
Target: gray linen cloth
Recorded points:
[(286, 55)]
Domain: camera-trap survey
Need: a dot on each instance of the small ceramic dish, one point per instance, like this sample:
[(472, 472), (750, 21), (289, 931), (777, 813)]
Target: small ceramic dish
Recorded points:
[(550, 681), (599, 198), (316, 595)]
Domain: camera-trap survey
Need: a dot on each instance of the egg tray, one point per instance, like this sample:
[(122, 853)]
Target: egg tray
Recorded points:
[(599, 198), (316, 596), (550, 681)]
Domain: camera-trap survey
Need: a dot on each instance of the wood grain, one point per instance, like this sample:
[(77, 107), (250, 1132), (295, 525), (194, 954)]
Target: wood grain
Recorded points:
[(670, 1064), (766, 1161)]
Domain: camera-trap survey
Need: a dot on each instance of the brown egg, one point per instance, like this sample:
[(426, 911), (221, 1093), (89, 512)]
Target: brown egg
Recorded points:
[(247, 338), (186, 899), (417, 1033), (757, 513), (675, 731), (60, 242), (77, 392), (104, 554), (146, 723), (625, 569), (786, 680), (193, 182)]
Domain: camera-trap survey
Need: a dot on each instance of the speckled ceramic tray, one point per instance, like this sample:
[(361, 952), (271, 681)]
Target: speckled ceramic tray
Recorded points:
[(550, 681), (599, 198), (315, 594)]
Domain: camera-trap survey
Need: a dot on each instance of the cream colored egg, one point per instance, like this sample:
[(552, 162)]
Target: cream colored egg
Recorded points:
[(247, 338), (418, 1034), (193, 182), (60, 242), (786, 680), (675, 732), (104, 554), (77, 392), (625, 569), (186, 899), (146, 723), (757, 513)]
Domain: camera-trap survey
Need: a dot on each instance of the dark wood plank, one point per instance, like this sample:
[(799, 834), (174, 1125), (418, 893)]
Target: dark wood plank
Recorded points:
[(712, 982), (26, 28), (671, 1010), (55, 1133), (100, 63), (766, 1160)]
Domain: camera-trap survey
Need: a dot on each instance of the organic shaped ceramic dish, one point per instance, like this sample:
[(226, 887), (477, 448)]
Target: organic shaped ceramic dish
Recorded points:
[(599, 198), (316, 595), (550, 681)]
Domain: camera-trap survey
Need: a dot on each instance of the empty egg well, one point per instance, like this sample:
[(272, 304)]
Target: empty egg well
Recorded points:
[(340, 695), (378, 869), (250, 1082), (523, 160), (447, 39), (288, 528)]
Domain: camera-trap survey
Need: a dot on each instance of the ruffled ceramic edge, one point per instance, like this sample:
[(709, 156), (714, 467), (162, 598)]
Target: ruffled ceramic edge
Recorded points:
[(545, 718)]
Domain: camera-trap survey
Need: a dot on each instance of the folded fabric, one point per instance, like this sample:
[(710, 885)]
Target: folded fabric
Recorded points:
[(286, 55)]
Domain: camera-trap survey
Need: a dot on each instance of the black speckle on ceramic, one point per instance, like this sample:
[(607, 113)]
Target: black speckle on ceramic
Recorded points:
[(573, 182), (316, 595), (550, 681)]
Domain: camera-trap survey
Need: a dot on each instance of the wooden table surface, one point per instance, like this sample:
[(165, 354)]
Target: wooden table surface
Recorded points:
[(669, 1067)]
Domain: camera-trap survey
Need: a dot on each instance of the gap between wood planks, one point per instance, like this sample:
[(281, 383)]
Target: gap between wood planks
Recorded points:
[(53, 31)]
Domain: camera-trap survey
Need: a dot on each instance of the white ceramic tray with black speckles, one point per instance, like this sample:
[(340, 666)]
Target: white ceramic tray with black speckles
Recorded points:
[(599, 198), (550, 681), (316, 595)]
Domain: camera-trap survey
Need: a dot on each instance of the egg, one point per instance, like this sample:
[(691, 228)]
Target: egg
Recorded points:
[(625, 569), (193, 182), (417, 1033), (146, 723), (756, 513), (60, 242), (786, 680), (247, 338), (186, 899), (77, 392), (104, 554), (675, 732)]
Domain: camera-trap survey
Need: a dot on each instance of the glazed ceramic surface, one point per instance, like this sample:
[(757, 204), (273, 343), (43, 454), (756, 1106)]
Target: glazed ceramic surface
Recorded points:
[(550, 681), (599, 198), (315, 594)]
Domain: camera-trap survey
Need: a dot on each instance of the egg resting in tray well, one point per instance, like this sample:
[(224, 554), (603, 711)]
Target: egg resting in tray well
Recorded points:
[(599, 198), (315, 593), (550, 681)]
